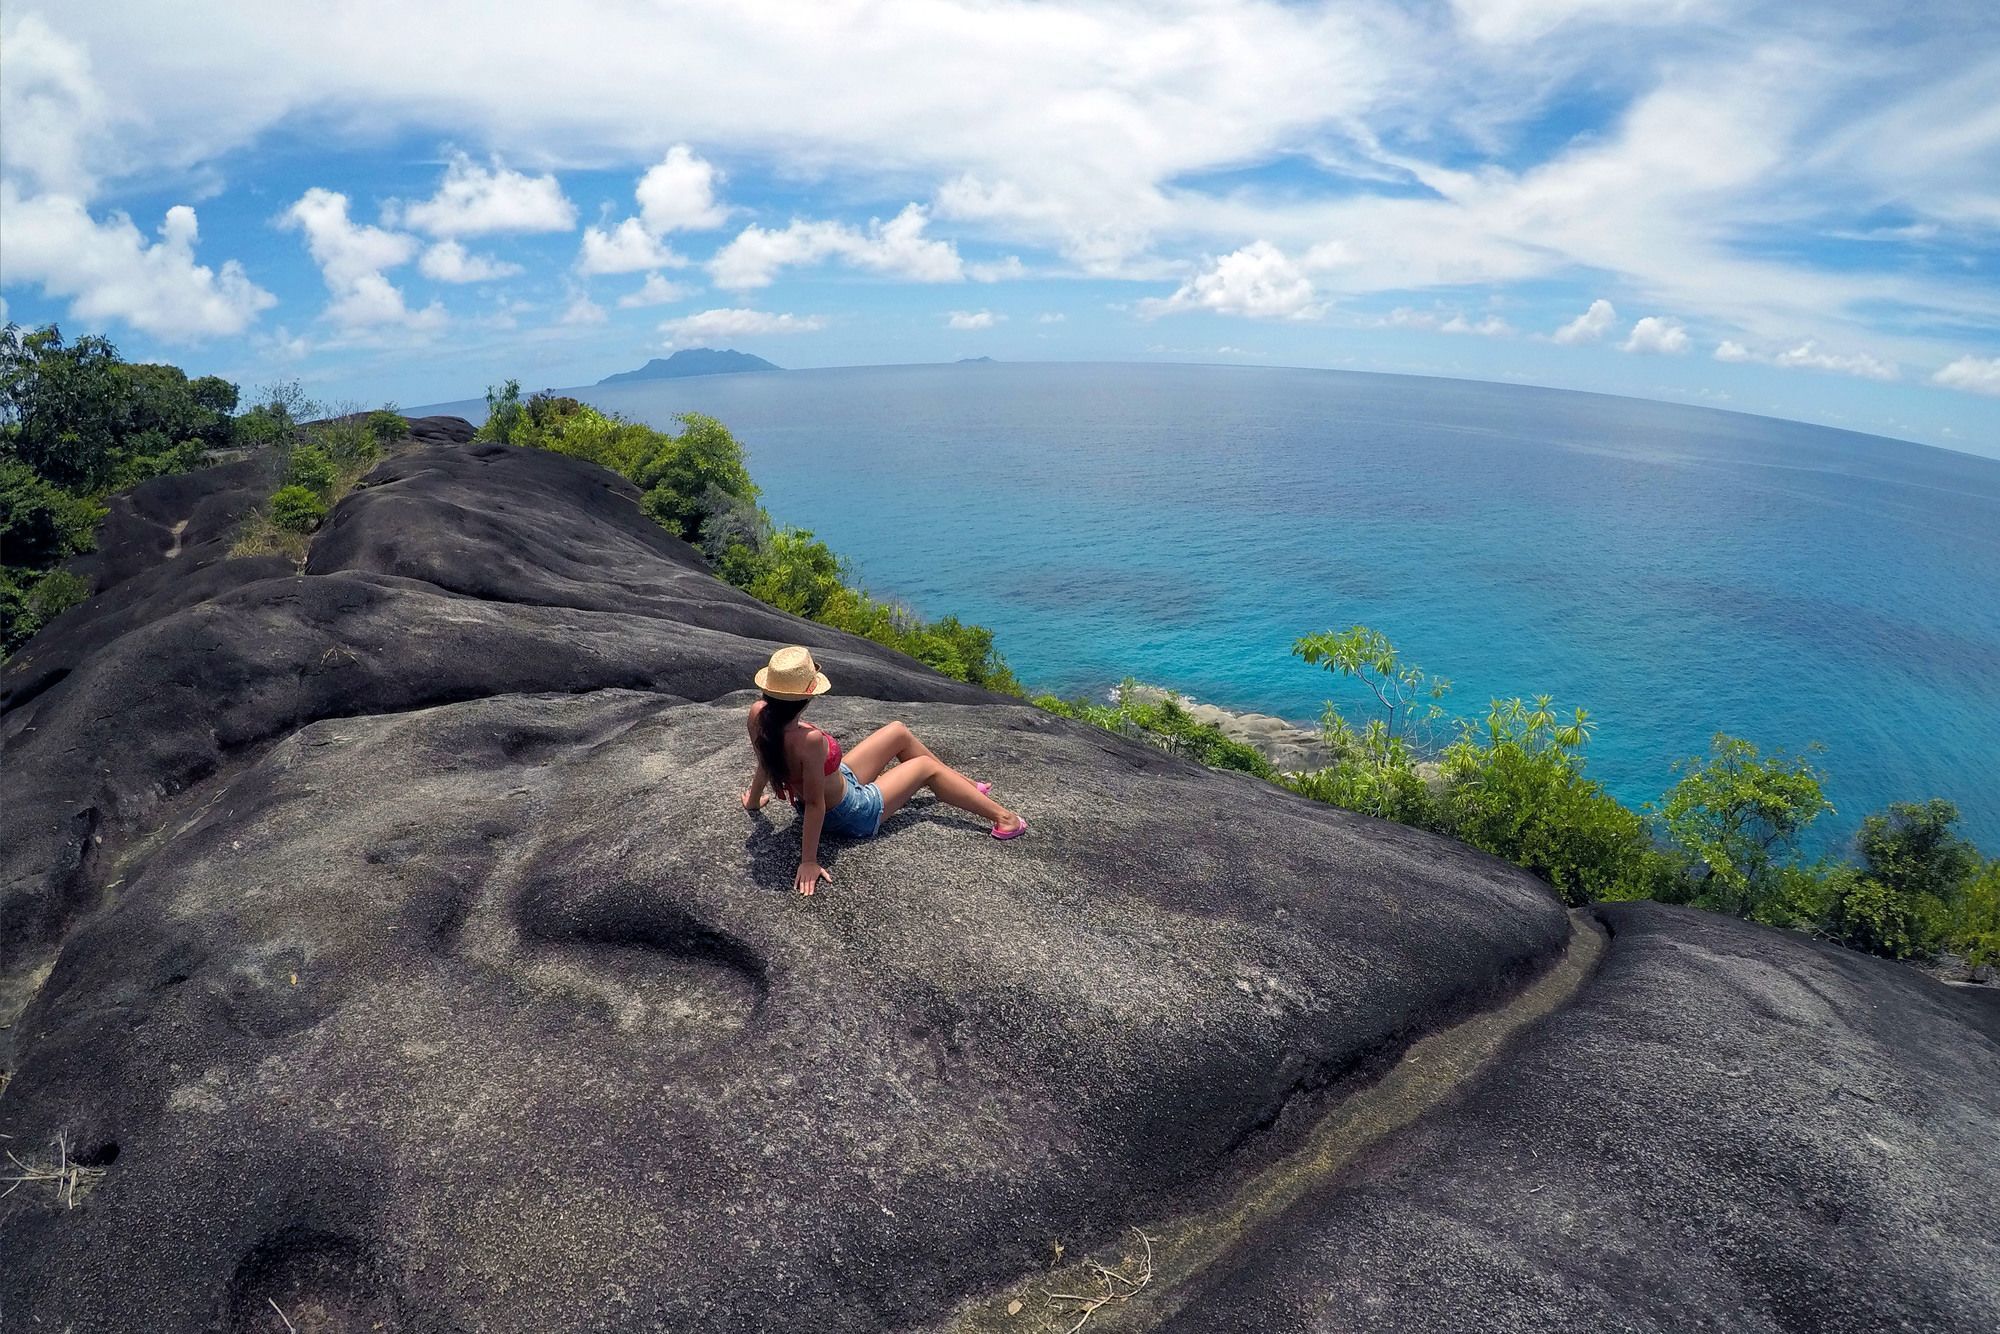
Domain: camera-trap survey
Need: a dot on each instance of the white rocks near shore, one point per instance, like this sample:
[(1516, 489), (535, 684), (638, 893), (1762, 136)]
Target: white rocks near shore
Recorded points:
[(1289, 747)]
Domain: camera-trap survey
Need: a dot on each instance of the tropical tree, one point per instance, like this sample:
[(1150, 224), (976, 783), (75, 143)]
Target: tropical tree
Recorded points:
[(1737, 816)]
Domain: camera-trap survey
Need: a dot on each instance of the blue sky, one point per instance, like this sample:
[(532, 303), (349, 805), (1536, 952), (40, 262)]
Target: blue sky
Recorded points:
[(1783, 209)]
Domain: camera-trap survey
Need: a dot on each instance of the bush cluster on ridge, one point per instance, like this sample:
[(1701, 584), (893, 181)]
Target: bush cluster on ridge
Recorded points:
[(695, 485)]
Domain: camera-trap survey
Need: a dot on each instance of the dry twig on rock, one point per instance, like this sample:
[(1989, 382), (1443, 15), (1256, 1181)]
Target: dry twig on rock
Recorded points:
[(1114, 1284), (70, 1179)]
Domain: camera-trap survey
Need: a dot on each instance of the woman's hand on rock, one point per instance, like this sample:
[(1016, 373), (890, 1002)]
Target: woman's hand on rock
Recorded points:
[(810, 874)]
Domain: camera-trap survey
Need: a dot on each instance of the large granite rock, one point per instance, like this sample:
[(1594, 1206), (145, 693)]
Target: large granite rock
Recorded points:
[(387, 945), (1729, 1128), (427, 586)]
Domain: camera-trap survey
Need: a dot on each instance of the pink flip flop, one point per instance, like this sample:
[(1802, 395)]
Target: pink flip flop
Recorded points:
[(984, 788), (1015, 832)]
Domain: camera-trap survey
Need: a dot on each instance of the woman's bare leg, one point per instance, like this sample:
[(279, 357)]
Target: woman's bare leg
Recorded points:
[(953, 788), (872, 754)]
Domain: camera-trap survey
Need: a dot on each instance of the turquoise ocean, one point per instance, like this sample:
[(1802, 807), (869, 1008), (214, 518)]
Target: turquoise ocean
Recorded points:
[(1675, 570)]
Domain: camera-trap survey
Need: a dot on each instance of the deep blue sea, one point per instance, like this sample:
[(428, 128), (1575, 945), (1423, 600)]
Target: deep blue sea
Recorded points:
[(1675, 570)]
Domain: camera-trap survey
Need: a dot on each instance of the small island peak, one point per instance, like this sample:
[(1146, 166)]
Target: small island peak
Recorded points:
[(694, 361)]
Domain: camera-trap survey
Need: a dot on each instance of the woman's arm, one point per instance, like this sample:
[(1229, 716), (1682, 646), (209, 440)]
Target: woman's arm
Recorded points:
[(810, 871), (755, 798)]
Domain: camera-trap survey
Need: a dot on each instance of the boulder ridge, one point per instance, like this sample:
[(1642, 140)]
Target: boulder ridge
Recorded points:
[(383, 946)]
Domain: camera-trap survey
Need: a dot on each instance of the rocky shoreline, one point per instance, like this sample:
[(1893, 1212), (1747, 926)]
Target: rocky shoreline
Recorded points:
[(1289, 746)]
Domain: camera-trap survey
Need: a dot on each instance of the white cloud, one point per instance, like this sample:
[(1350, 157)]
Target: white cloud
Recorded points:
[(282, 342), (352, 258), (1051, 317), (109, 271), (1976, 375), (655, 291), (1256, 281), (1492, 326), (627, 248), (451, 262), (999, 270), (1808, 356), (1590, 326), (1656, 333), (679, 194), (897, 248), (1517, 22), (582, 310), (737, 323), (972, 319), (51, 110), (473, 200), (1428, 127)]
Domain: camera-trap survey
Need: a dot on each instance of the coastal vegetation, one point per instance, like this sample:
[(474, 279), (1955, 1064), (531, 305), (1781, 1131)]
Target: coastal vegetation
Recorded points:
[(79, 422), (695, 485), (1725, 836), (1164, 722)]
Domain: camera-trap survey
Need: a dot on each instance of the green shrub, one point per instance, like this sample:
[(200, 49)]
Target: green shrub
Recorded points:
[(83, 419), (387, 426), (56, 592), (1387, 790), (1737, 817), (296, 509), (16, 627), (1406, 694), (29, 601), (685, 481), (1516, 788), (503, 413), (1973, 925), (1863, 913), (1164, 722), (346, 440), (1371, 771), (262, 427), (1912, 848), (40, 523), (309, 467)]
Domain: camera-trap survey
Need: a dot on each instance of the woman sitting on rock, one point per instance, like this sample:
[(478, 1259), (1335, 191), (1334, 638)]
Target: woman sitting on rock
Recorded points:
[(854, 796)]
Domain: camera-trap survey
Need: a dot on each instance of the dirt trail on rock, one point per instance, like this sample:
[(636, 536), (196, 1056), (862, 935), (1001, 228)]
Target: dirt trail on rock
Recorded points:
[(1182, 1247)]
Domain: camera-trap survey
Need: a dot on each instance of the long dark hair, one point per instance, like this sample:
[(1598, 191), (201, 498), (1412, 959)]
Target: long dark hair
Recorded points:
[(776, 716)]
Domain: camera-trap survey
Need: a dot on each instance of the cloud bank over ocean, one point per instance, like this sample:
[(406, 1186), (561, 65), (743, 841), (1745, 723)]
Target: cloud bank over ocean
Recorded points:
[(1734, 202)]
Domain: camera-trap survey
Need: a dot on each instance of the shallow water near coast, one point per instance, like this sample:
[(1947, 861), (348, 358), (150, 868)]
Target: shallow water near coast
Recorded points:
[(1675, 570)]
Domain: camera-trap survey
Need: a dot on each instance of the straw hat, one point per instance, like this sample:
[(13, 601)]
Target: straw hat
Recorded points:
[(792, 674)]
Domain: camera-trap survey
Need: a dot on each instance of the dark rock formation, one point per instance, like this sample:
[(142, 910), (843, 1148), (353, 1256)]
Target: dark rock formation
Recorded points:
[(1730, 1127), (390, 949)]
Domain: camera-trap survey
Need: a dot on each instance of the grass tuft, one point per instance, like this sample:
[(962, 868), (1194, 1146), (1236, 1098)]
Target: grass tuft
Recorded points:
[(71, 1180)]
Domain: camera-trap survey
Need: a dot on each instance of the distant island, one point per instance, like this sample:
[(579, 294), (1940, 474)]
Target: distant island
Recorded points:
[(970, 361), (693, 361)]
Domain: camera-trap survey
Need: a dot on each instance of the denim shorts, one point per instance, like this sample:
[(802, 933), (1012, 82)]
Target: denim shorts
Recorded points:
[(859, 813)]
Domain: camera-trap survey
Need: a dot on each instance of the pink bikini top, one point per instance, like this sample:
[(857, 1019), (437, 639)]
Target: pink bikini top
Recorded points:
[(832, 751)]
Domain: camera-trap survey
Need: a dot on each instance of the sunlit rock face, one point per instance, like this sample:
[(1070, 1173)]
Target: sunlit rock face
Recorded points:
[(385, 943)]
